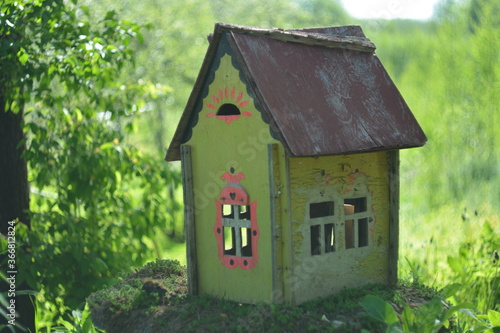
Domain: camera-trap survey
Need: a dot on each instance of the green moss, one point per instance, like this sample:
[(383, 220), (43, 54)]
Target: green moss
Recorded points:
[(155, 298)]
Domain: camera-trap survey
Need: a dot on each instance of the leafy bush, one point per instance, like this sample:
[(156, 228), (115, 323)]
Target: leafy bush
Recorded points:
[(475, 266), (78, 322), (432, 317), (470, 284), (98, 204)]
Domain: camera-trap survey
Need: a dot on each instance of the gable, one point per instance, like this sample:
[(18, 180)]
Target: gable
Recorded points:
[(222, 96), (226, 113)]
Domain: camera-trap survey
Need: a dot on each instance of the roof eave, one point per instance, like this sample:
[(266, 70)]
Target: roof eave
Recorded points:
[(361, 151)]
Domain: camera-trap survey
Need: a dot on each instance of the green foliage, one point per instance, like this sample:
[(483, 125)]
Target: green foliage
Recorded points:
[(47, 39), (98, 202), (157, 283), (449, 188), (476, 268), (79, 322), (160, 269), (470, 279), (5, 314), (379, 309), (451, 84), (433, 316)]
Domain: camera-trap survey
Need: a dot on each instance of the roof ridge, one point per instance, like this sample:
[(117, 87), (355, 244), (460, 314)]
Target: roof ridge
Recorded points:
[(355, 43)]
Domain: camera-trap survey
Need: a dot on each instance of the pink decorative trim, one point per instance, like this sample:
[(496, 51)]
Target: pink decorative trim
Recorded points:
[(234, 194)]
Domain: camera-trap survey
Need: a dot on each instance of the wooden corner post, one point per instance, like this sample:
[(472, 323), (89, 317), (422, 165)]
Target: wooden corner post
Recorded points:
[(393, 177), (189, 219), (276, 247)]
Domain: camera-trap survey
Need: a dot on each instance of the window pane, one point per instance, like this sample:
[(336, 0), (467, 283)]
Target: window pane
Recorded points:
[(315, 239), (246, 242), (358, 203), (244, 212), (227, 211), (329, 237), (349, 234), (362, 232), (321, 209), (229, 241)]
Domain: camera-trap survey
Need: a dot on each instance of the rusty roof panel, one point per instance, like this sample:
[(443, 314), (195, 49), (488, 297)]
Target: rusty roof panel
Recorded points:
[(326, 101)]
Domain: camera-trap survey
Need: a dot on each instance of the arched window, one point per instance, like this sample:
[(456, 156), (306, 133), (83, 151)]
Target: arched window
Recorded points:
[(228, 109), (236, 227)]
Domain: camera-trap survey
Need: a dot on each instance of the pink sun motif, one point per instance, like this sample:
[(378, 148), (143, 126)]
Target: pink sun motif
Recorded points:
[(228, 105)]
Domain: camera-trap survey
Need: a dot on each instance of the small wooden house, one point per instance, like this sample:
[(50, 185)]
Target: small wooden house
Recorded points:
[(289, 147)]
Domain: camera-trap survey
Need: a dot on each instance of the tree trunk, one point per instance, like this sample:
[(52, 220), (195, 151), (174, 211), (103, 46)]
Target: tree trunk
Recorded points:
[(14, 187), (14, 201)]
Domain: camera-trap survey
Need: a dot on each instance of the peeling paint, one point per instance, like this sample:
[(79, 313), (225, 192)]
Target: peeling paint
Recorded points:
[(347, 176)]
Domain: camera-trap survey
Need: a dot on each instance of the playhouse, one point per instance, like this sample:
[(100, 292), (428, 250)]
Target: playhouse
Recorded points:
[(289, 148)]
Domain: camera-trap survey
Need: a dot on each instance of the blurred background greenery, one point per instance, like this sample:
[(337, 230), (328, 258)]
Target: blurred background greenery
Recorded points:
[(447, 69)]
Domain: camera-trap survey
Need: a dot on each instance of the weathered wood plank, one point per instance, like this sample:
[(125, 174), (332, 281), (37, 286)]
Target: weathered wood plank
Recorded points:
[(276, 238), (189, 219), (393, 174), (290, 290), (307, 38)]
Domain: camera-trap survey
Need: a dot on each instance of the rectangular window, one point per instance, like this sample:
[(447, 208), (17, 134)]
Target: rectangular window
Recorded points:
[(237, 232), (322, 232), (325, 230)]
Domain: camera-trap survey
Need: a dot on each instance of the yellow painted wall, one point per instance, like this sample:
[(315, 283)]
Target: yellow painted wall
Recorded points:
[(217, 147), (335, 178)]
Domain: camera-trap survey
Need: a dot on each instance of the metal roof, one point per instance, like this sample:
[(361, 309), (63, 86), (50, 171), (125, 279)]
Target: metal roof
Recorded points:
[(323, 90)]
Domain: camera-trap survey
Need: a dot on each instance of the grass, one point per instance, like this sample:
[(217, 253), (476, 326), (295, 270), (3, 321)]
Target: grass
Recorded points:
[(154, 298), (450, 246)]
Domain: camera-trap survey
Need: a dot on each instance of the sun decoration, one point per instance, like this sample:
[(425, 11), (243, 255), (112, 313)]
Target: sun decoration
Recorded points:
[(228, 105)]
